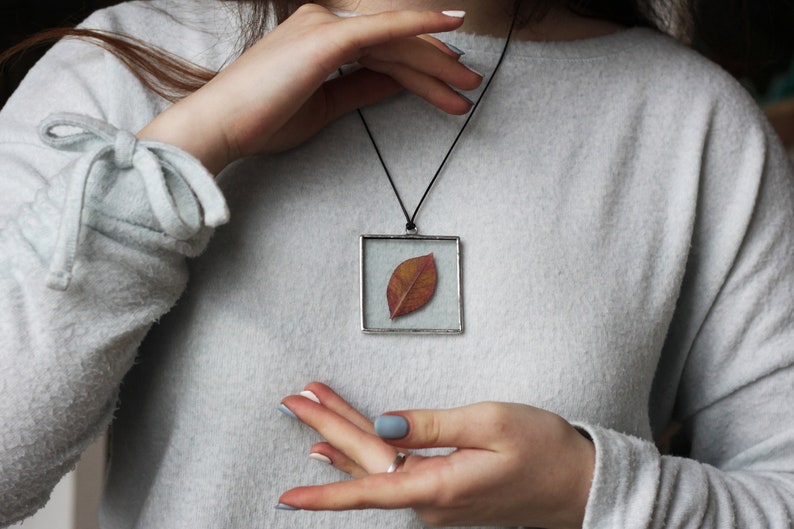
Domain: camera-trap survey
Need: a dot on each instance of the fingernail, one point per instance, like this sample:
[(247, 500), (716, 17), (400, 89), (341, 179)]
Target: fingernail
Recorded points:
[(285, 507), (463, 96), (473, 70), (453, 48), (310, 395), (391, 427), (321, 458), (286, 411), (455, 14)]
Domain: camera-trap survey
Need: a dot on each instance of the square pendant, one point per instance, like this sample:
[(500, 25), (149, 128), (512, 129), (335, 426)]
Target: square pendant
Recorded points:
[(410, 284)]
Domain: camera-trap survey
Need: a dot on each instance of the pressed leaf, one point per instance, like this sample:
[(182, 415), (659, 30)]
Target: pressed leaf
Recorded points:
[(411, 285)]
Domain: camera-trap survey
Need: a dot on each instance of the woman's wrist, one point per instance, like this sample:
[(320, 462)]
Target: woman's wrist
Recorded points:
[(186, 125), (582, 466)]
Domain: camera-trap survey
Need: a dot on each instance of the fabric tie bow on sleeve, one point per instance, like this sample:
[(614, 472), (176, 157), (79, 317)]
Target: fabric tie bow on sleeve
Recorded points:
[(179, 217)]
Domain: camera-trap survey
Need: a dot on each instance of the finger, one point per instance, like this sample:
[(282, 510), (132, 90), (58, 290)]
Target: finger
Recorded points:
[(379, 491), (425, 57), (357, 90), (444, 47), (336, 98), (327, 454), (371, 30), (429, 88), (331, 400), (369, 451), (485, 426)]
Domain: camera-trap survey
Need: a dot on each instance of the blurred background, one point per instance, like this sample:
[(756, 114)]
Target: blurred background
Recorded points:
[(753, 40)]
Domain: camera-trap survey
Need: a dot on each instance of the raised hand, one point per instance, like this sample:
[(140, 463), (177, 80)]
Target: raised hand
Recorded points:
[(513, 464), (277, 94)]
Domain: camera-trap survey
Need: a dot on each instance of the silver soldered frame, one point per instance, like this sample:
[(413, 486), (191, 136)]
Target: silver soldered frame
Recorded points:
[(377, 330)]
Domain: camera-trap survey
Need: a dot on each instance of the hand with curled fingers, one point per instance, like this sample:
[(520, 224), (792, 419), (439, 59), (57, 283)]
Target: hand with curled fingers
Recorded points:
[(278, 93), (513, 464)]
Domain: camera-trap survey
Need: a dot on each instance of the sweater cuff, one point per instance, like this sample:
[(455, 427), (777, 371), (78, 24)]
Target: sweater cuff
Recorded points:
[(625, 481), (139, 193)]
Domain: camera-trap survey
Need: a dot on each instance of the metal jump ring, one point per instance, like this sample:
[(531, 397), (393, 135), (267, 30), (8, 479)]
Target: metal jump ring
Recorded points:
[(398, 461)]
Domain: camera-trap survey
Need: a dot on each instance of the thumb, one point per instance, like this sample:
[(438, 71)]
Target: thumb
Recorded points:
[(477, 426)]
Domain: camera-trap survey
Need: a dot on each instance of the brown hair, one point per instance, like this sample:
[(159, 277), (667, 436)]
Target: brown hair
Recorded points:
[(164, 73)]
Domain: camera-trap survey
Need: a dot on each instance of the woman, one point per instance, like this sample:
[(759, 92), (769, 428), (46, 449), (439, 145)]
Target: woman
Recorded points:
[(625, 236)]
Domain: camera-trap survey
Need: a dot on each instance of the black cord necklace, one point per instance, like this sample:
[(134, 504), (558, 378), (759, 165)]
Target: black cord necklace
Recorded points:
[(410, 225), (420, 274)]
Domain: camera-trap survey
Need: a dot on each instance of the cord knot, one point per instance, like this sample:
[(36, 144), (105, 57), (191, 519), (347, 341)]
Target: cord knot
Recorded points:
[(124, 147), (181, 208)]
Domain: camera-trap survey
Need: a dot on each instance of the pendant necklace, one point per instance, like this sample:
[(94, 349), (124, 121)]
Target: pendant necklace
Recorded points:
[(412, 283)]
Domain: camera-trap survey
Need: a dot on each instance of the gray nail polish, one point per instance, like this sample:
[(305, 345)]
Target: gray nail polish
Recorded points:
[(454, 48), (464, 97), (286, 411), (283, 507), (391, 427)]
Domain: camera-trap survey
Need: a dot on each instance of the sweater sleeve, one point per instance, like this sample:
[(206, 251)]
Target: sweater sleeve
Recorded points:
[(729, 360), (94, 230)]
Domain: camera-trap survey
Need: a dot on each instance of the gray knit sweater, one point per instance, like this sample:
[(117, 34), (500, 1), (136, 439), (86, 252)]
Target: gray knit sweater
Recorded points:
[(627, 228)]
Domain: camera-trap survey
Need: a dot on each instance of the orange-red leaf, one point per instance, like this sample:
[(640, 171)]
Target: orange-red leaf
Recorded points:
[(411, 285)]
